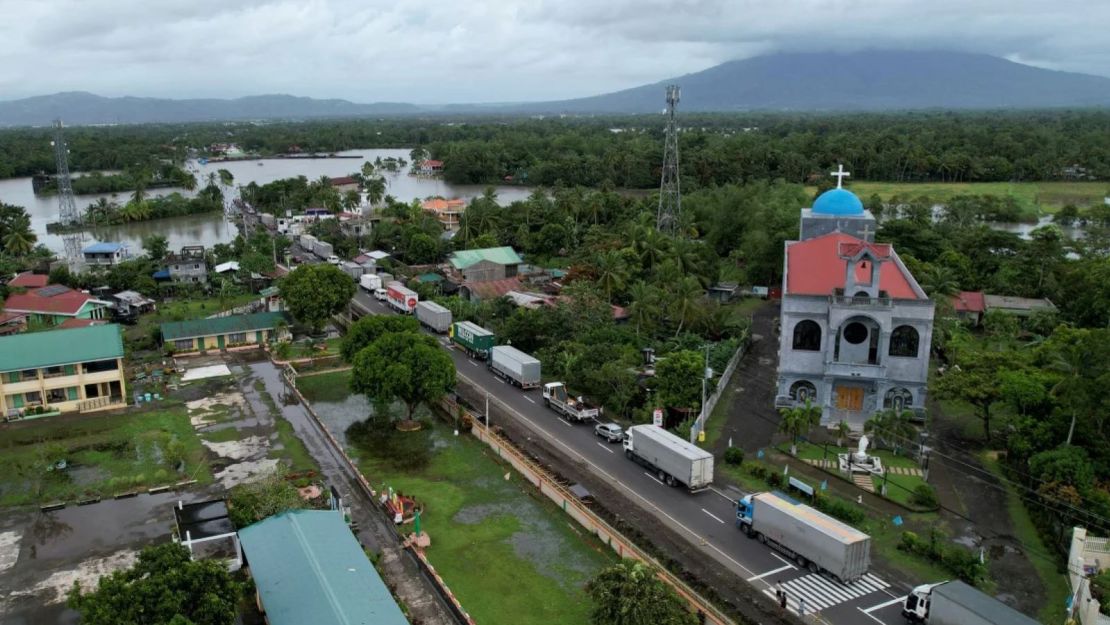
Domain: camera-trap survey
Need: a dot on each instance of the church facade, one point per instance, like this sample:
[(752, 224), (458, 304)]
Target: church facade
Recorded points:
[(855, 326)]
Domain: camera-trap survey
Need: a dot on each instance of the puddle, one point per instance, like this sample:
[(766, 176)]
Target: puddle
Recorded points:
[(54, 588), (240, 472), (252, 446), (9, 549), (338, 416)]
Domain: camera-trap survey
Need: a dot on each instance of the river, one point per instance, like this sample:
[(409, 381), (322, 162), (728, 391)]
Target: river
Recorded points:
[(213, 228)]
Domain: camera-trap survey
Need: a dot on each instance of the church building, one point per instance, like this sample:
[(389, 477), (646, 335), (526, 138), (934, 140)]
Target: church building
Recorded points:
[(855, 325)]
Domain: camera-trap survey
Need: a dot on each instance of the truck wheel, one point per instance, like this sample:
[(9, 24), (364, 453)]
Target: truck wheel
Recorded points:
[(670, 481), (802, 562), (662, 477), (749, 532), (761, 537), (813, 568), (546, 402), (628, 454)]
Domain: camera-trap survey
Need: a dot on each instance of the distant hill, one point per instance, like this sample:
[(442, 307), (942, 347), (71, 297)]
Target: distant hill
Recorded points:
[(872, 80), (80, 108)]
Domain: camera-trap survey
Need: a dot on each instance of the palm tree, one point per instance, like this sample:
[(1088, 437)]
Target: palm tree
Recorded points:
[(368, 170), (138, 196), (611, 273), (645, 308), (685, 300), (891, 427), (650, 246), (226, 178), (939, 283), (20, 239), (842, 432), (375, 189), (798, 421), (1072, 361)]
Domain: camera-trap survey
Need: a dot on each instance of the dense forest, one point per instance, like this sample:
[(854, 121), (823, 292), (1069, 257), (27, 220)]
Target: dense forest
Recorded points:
[(625, 151)]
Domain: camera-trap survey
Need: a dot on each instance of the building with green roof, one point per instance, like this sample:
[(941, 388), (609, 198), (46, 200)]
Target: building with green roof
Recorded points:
[(309, 568), (484, 265), (233, 331), (78, 369)]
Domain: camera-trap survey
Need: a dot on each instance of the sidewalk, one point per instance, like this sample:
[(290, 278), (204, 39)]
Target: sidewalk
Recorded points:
[(751, 420)]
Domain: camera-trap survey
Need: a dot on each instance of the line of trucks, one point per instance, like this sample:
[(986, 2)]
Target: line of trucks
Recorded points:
[(322, 249), (814, 540)]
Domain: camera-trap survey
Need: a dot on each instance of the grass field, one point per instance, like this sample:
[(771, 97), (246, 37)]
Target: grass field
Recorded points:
[(511, 557), (899, 487), (104, 455), (1048, 196), (327, 387)]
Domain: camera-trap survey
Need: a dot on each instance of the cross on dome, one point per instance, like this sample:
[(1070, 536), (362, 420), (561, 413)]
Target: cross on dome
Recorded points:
[(839, 174)]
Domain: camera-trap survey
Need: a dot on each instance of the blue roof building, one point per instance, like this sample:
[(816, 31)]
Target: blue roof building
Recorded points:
[(309, 568)]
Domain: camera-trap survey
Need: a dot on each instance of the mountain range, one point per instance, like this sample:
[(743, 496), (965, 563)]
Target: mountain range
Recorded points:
[(875, 80)]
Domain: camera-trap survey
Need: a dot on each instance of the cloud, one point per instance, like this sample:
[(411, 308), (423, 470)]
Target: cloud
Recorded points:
[(491, 50)]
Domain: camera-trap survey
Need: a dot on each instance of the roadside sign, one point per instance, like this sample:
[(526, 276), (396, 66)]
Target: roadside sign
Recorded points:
[(802, 486), (657, 417)]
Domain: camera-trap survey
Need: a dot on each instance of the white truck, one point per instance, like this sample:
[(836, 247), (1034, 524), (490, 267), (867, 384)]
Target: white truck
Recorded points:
[(401, 298), (323, 249), (556, 397), (674, 461), (514, 366), (956, 603), (813, 539), (433, 316), (370, 282)]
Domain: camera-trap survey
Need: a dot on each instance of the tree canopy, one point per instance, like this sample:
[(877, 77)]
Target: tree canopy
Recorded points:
[(370, 328), (631, 593), (315, 292), (407, 366)]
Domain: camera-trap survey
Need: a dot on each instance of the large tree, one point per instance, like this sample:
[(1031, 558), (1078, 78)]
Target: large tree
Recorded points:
[(165, 586), (313, 293), (678, 380), (372, 327), (976, 380), (156, 246), (408, 366), (631, 593), (798, 421)]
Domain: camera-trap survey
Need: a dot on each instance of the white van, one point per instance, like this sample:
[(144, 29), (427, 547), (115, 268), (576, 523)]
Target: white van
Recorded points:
[(333, 259), (380, 295)]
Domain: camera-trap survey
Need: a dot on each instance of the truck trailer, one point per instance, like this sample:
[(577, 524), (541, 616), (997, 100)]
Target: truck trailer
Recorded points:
[(556, 397), (472, 338), (323, 249), (514, 366), (956, 603), (674, 461), (400, 298), (370, 282), (433, 316), (813, 539)]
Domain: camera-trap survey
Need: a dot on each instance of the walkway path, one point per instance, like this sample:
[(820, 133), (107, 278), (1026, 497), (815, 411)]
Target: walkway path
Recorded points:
[(751, 418)]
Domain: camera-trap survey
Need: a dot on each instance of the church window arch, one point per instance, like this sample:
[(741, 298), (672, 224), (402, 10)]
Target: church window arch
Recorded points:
[(807, 336), (802, 390), (904, 341), (898, 399)]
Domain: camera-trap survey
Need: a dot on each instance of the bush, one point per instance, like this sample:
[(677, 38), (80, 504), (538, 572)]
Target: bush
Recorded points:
[(757, 470), (924, 495), (734, 456), (774, 479), (839, 508), (962, 563)]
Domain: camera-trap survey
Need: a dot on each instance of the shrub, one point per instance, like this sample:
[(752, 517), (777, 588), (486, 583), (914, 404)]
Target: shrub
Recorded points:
[(924, 495), (757, 470), (734, 456), (839, 508), (774, 478), (962, 563)]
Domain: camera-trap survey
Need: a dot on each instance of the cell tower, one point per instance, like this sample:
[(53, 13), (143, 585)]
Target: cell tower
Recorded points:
[(670, 192), (67, 204)]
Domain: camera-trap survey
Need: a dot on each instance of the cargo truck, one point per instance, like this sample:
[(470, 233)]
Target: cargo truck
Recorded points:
[(514, 366), (369, 282), (472, 338), (433, 316), (400, 298), (673, 460), (956, 603), (556, 397), (813, 539), (323, 249), (307, 243)]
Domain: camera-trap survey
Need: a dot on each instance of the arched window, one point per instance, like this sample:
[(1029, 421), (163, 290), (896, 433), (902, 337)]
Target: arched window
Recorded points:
[(803, 390), (904, 342), (898, 399), (807, 336)]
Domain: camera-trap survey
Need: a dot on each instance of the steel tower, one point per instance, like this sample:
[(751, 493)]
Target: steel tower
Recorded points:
[(670, 192), (67, 204)]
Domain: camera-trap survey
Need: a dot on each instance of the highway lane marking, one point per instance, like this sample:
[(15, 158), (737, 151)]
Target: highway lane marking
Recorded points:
[(473, 363), (719, 519), (871, 616), (781, 559), (727, 498), (530, 399), (647, 503), (769, 573), (605, 448), (882, 605), (565, 422), (500, 380), (654, 478)]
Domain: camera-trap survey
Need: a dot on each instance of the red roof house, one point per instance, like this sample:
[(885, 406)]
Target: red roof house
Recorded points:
[(819, 266), (56, 303), (28, 280)]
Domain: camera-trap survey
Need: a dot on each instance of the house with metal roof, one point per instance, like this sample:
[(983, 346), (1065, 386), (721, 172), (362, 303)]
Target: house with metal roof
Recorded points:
[(222, 333), (484, 265), (79, 369), (55, 304), (309, 568), (105, 254)]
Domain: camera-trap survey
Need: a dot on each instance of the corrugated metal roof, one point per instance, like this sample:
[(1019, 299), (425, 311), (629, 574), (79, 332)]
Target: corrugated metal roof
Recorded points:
[(174, 330), (309, 568), (60, 347), (103, 248), (500, 255)]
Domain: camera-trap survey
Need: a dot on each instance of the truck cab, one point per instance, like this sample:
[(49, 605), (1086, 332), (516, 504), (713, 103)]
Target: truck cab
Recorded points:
[(744, 513), (915, 608)]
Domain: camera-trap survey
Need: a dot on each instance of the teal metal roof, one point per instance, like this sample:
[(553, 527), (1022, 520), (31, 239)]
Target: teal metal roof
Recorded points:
[(429, 277), (174, 330), (500, 255), (309, 568), (60, 347)]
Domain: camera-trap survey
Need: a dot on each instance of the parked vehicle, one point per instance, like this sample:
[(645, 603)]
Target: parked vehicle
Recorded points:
[(307, 243), (673, 460), (324, 250), (381, 294), (514, 366), (472, 338), (401, 298), (352, 269), (611, 432), (369, 282), (813, 539), (433, 316), (555, 397), (956, 603), (333, 259)]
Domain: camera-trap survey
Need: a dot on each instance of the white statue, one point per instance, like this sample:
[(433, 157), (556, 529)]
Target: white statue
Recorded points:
[(861, 455)]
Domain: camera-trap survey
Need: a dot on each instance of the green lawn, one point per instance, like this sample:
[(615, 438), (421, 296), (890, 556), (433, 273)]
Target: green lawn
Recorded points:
[(105, 455), (1044, 563), (1048, 196), (511, 557), (899, 487), (182, 309), (325, 387)]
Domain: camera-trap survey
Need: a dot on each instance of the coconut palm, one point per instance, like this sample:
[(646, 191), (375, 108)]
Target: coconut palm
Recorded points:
[(843, 430), (646, 307), (375, 189), (939, 282), (611, 273), (20, 239), (798, 421), (685, 301), (226, 178), (891, 427)]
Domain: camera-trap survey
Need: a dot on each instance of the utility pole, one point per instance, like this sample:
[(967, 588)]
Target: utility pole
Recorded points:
[(670, 192)]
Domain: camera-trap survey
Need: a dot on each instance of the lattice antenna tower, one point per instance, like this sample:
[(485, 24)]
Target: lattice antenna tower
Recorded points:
[(67, 203), (670, 192)]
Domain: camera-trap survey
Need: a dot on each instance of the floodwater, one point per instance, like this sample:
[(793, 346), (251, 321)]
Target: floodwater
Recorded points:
[(214, 228)]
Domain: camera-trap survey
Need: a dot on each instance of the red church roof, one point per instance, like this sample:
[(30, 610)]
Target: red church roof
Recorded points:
[(816, 266), (969, 302)]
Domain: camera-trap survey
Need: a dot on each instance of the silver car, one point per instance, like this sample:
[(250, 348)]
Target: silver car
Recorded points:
[(611, 432)]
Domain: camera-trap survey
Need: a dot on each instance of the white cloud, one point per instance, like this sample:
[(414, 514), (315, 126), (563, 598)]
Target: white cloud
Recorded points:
[(490, 50)]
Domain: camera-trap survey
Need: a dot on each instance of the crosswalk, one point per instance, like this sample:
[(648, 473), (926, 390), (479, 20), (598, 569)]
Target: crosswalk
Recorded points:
[(821, 593)]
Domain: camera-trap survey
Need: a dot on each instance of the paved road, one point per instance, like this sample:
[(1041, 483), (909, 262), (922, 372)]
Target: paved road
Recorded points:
[(705, 518)]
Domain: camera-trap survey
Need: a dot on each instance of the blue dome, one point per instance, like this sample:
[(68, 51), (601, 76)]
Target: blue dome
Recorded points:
[(838, 202)]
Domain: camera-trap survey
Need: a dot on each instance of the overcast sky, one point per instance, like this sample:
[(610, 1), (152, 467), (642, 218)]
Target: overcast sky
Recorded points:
[(437, 51)]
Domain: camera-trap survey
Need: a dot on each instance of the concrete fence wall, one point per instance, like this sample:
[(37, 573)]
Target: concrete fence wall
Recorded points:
[(715, 396)]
